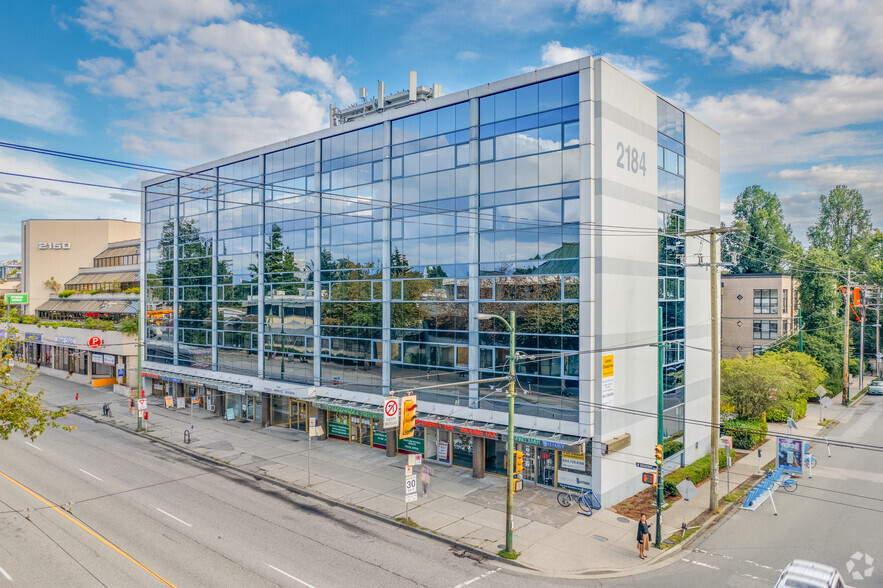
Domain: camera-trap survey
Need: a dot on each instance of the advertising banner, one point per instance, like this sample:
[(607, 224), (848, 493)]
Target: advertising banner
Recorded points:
[(789, 454)]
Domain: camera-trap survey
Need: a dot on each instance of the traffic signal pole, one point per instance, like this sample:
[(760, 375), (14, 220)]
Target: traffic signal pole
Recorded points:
[(660, 429)]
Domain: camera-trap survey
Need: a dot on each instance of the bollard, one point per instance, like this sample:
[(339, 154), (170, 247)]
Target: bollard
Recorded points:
[(187, 437)]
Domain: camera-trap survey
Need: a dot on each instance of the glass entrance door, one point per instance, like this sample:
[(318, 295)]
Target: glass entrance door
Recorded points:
[(299, 415), (360, 430), (545, 462)]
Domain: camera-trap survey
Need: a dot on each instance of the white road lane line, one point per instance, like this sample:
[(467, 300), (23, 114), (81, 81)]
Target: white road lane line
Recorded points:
[(5, 575), (34, 446), (292, 577), (699, 563), (174, 517), (93, 475), (477, 578)]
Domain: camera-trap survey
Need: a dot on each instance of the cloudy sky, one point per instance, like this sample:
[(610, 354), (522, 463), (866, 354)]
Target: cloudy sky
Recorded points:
[(795, 87)]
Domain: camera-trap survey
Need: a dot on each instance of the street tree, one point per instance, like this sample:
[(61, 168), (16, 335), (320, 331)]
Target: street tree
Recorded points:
[(752, 383), (844, 223), (21, 411), (768, 245)]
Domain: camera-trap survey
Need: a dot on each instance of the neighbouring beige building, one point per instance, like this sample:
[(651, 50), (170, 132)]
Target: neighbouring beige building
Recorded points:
[(756, 311), (58, 248)]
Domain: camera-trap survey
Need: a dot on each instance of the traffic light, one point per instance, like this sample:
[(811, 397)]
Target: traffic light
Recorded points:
[(409, 415), (519, 462), (649, 478), (659, 455)]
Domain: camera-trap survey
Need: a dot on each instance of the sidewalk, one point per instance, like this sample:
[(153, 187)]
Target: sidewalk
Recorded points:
[(553, 540)]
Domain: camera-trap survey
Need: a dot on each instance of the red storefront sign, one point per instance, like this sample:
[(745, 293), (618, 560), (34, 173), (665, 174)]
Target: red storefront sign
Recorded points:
[(457, 429)]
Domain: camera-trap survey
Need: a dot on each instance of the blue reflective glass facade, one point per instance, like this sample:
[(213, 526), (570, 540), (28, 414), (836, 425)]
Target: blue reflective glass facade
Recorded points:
[(355, 260), (671, 174)]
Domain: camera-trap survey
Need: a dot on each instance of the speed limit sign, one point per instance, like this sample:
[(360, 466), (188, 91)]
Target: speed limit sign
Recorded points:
[(411, 484)]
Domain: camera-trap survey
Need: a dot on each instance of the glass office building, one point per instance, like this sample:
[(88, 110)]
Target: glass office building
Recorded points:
[(314, 277)]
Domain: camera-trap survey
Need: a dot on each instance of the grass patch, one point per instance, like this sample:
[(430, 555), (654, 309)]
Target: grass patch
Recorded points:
[(508, 554), (736, 495), (407, 522), (676, 538), (828, 423)]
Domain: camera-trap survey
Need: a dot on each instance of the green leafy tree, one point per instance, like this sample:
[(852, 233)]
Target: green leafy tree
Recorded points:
[(768, 245), (807, 373), (752, 383), (844, 223), (21, 411)]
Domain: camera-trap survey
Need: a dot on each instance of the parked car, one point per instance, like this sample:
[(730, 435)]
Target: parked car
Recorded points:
[(875, 388), (801, 573)]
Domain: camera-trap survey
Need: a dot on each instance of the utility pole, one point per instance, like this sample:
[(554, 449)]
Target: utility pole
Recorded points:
[(846, 295), (660, 428), (861, 346), (712, 233), (877, 346)]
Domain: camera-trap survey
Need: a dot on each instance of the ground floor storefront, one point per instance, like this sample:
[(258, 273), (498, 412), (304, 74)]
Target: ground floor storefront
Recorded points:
[(550, 460)]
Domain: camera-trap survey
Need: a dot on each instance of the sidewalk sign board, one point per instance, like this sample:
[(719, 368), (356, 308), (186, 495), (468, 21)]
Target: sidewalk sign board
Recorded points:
[(790, 454), (687, 489)]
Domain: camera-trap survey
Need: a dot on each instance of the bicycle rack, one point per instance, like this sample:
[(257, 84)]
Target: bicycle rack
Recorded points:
[(187, 437)]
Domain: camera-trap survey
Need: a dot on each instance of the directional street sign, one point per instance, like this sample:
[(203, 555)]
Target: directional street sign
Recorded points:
[(646, 466), (391, 413)]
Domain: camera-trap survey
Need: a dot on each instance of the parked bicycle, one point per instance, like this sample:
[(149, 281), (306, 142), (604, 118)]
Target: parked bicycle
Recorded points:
[(587, 501)]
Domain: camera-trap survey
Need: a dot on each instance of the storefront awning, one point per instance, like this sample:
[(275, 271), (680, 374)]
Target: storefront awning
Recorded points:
[(568, 443), (208, 382), (98, 306), (102, 278), (358, 408), (464, 427)]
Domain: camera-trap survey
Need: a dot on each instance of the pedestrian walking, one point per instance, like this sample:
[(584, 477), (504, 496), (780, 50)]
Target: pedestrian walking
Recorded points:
[(426, 474), (131, 405), (643, 537)]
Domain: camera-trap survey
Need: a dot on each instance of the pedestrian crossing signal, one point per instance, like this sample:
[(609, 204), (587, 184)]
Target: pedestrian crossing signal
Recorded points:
[(649, 478), (519, 462)]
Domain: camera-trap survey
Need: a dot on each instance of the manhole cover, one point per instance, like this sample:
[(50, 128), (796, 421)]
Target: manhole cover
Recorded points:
[(501, 547), (623, 520), (599, 538), (669, 541)]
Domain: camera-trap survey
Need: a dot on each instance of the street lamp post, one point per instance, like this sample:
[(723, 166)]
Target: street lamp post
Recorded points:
[(510, 437)]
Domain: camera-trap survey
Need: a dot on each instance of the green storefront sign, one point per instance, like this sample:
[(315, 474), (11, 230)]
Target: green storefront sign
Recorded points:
[(379, 438), (358, 412), (411, 444), (339, 430), (16, 298)]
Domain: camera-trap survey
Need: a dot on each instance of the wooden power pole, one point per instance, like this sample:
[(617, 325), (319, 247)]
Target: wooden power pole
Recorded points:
[(713, 232)]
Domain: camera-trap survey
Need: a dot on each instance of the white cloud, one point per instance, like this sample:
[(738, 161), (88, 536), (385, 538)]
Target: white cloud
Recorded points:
[(809, 121), (36, 105), (553, 53), (131, 23), (518, 15), (633, 15), (644, 69), (867, 179), (218, 88), (696, 37), (810, 36), (467, 55)]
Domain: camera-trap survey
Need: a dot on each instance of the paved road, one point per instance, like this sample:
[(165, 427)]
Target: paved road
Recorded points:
[(829, 518), (142, 514)]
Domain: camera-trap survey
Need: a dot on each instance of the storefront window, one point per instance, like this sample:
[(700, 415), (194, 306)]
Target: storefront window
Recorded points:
[(463, 450), (495, 460), (339, 425)]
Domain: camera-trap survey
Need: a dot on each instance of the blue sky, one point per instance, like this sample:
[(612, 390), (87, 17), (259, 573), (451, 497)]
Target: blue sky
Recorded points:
[(795, 87)]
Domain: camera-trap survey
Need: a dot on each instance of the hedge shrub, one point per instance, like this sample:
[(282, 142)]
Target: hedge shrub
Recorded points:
[(747, 433), (781, 410), (66, 293), (696, 472)]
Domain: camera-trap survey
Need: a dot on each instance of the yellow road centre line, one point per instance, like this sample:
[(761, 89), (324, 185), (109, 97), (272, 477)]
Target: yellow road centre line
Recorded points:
[(88, 530)]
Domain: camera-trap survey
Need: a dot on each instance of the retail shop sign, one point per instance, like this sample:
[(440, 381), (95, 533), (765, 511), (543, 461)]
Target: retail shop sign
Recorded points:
[(547, 443), (339, 430), (358, 412), (457, 429), (411, 445), (574, 480), (573, 461), (67, 341)]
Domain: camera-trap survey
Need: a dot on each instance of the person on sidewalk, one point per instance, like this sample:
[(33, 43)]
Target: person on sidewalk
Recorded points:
[(643, 537), (425, 477)]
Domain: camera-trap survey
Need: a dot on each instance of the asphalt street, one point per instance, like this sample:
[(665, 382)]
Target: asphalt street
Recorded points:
[(142, 514), (829, 519)]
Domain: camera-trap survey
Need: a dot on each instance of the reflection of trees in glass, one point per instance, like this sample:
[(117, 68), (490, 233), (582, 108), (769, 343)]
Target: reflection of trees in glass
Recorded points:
[(280, 267)]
